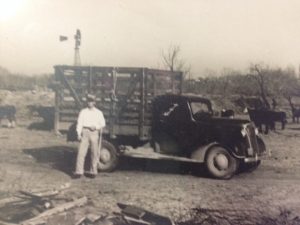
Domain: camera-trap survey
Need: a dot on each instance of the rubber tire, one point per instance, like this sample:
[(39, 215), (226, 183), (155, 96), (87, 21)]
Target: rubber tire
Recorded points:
[(212, 168), (113, 160)]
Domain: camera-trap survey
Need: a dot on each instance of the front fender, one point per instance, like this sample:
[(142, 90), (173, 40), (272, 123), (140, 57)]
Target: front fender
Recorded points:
[(200, 152), (262, 147)]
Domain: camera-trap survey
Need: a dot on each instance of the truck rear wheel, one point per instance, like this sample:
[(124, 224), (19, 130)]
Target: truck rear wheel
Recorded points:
[(108, 159), (220, 164)]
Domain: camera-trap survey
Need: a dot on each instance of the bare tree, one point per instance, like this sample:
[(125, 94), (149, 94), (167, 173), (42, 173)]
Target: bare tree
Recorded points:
[(259, 73), (288, 87), (226, 80), (276, 83), (171, 59)]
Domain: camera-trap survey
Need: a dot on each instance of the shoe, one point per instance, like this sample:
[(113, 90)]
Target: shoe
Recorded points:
[(92, 176), (76, 176)]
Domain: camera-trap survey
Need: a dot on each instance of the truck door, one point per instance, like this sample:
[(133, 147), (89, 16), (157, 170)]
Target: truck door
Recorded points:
[(176, 123)]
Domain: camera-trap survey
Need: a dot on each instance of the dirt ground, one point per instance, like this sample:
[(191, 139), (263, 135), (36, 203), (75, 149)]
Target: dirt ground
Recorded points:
[(37, 159)]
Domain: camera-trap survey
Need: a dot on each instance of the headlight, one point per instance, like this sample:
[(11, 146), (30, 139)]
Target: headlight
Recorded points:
[(243, 132), (256, 131)]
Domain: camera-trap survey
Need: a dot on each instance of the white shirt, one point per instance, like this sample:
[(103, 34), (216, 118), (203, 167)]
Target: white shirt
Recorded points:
[(90, 117)]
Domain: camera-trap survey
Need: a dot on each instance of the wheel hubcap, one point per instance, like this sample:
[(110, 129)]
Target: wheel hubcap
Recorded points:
[(105, 156), (221, 162)]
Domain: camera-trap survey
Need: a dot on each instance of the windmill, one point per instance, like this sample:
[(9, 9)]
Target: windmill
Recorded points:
[(77, 37)]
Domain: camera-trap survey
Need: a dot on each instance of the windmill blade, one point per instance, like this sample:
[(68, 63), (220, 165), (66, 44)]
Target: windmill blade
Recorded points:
[(63, 38)]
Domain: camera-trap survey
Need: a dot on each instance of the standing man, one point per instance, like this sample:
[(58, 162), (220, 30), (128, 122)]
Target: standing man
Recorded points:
[(89, 128)]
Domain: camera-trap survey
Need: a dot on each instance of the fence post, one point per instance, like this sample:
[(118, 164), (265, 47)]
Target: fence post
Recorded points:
[(142, 106), (57, 102)]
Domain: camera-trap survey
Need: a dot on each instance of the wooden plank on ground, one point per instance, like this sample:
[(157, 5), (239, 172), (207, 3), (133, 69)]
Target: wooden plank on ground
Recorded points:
[(6, 223), (9, 200), (61, 208)]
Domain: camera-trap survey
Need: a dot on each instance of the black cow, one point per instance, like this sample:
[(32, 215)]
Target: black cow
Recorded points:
[(229, 113), (267, 118), (8, 112), (295, 114), (44, 112), (278, 117)]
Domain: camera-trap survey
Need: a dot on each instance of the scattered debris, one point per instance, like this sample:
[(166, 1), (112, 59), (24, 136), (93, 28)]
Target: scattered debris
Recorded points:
[(37, 207), (34, 207), (129, 215)]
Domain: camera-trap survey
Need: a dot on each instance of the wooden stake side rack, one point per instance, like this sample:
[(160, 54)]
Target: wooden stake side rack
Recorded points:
[(123, 94)]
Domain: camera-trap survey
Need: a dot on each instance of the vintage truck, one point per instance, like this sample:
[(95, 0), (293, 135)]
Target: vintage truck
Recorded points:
[(151, 108)]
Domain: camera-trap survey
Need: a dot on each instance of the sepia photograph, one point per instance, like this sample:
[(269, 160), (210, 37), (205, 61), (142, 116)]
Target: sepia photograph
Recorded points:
[(135, 112)]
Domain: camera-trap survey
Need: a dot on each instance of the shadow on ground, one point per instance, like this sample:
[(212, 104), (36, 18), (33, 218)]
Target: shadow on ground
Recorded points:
[(162, 166), (63, 158), (291, 135), (45, 126), (58, 157), (294, 128)]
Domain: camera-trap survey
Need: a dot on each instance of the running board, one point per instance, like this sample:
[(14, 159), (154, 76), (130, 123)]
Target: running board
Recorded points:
[(148, 153)]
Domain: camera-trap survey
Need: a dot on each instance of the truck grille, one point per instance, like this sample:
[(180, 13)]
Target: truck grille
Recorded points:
[(252, 140)]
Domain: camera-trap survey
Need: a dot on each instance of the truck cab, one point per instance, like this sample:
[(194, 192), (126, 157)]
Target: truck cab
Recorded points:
[(186, 126)]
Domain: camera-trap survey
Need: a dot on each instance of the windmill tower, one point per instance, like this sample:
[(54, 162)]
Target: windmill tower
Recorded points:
[(77, 37)]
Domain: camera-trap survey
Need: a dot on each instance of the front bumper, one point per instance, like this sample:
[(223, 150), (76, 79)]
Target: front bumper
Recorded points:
[(257, 157), (252, 159)]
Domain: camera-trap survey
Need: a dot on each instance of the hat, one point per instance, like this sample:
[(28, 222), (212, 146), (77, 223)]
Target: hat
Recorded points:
[(90, 98)]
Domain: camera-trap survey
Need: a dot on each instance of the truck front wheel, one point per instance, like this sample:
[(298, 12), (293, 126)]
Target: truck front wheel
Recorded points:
[(108, 159), (220, 164)]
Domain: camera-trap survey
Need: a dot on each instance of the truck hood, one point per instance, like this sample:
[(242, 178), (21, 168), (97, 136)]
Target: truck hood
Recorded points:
[(225, 121)]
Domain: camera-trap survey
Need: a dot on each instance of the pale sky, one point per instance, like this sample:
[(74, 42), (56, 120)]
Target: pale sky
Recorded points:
[(212, 34)]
